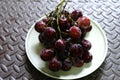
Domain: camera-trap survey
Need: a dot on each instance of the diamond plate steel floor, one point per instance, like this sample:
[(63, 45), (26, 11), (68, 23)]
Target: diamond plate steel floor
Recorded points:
[(16, 17)]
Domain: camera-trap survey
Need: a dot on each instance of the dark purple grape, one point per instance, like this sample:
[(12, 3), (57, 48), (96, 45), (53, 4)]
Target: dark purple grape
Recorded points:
[(49, 33), (76, 14), (75, 32), (79, 62), (60, 45), (47, 54), (89, 29), (55, 64), (76, 50), (63, 23), (86, 44), (87, 56), (83, 34), (67, 65), (62, 55), (42, 38), (49, 44), (40, 26)]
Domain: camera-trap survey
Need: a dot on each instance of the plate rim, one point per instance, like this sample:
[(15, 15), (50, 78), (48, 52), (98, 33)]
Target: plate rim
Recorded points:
[(94, 22)]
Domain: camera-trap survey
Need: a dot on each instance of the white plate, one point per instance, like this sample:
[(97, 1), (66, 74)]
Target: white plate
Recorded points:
[(99, 51)]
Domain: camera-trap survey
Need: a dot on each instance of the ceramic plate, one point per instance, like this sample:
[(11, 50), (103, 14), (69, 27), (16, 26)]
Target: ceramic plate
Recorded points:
[(99, 50)]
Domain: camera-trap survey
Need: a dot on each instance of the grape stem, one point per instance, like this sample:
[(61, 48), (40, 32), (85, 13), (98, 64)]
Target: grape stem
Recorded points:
[(59, 8), (65, 4), (59, 11)]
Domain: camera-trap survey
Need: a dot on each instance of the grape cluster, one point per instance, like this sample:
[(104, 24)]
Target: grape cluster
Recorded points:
[(62, 34)]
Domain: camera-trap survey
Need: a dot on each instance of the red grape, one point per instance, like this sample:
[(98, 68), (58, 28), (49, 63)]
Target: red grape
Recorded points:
[(87, 57), (45, 20), (55, 64), (47, 54), (63, 23), (49, 33), (76, 50), (60, 44), (76, 14), (40, 26), (75, 32), (67, 64), (88, 29), (86, 44), (83, 22), (79, 62), (41, 38)]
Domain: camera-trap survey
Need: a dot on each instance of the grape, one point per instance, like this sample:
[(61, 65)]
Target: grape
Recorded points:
[(79, 62), (76, 50), (89, 28), (87, 57), (55, 64), (63, 23), (49, 44), (86, 44), (60, 44), (41, 38), (83, 22), (62, 55), (75, 32), (83, 34), (49, 33), (47, 54), (76, 14), (45, 20), (67, 64), (40, 26)]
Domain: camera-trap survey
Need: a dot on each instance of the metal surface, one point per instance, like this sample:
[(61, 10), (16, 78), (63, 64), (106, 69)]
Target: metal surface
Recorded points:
[(17, 16)]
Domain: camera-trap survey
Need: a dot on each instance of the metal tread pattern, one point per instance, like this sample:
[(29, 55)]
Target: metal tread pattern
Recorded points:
[(17, 16)]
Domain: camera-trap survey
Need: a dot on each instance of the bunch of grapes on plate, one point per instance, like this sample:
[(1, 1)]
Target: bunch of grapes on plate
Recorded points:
[(63, 35)]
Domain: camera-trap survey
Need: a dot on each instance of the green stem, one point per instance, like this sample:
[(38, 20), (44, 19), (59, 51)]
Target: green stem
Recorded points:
[(61, 3), (64, 33), (58, 13), (65, 4), (59, 28)]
